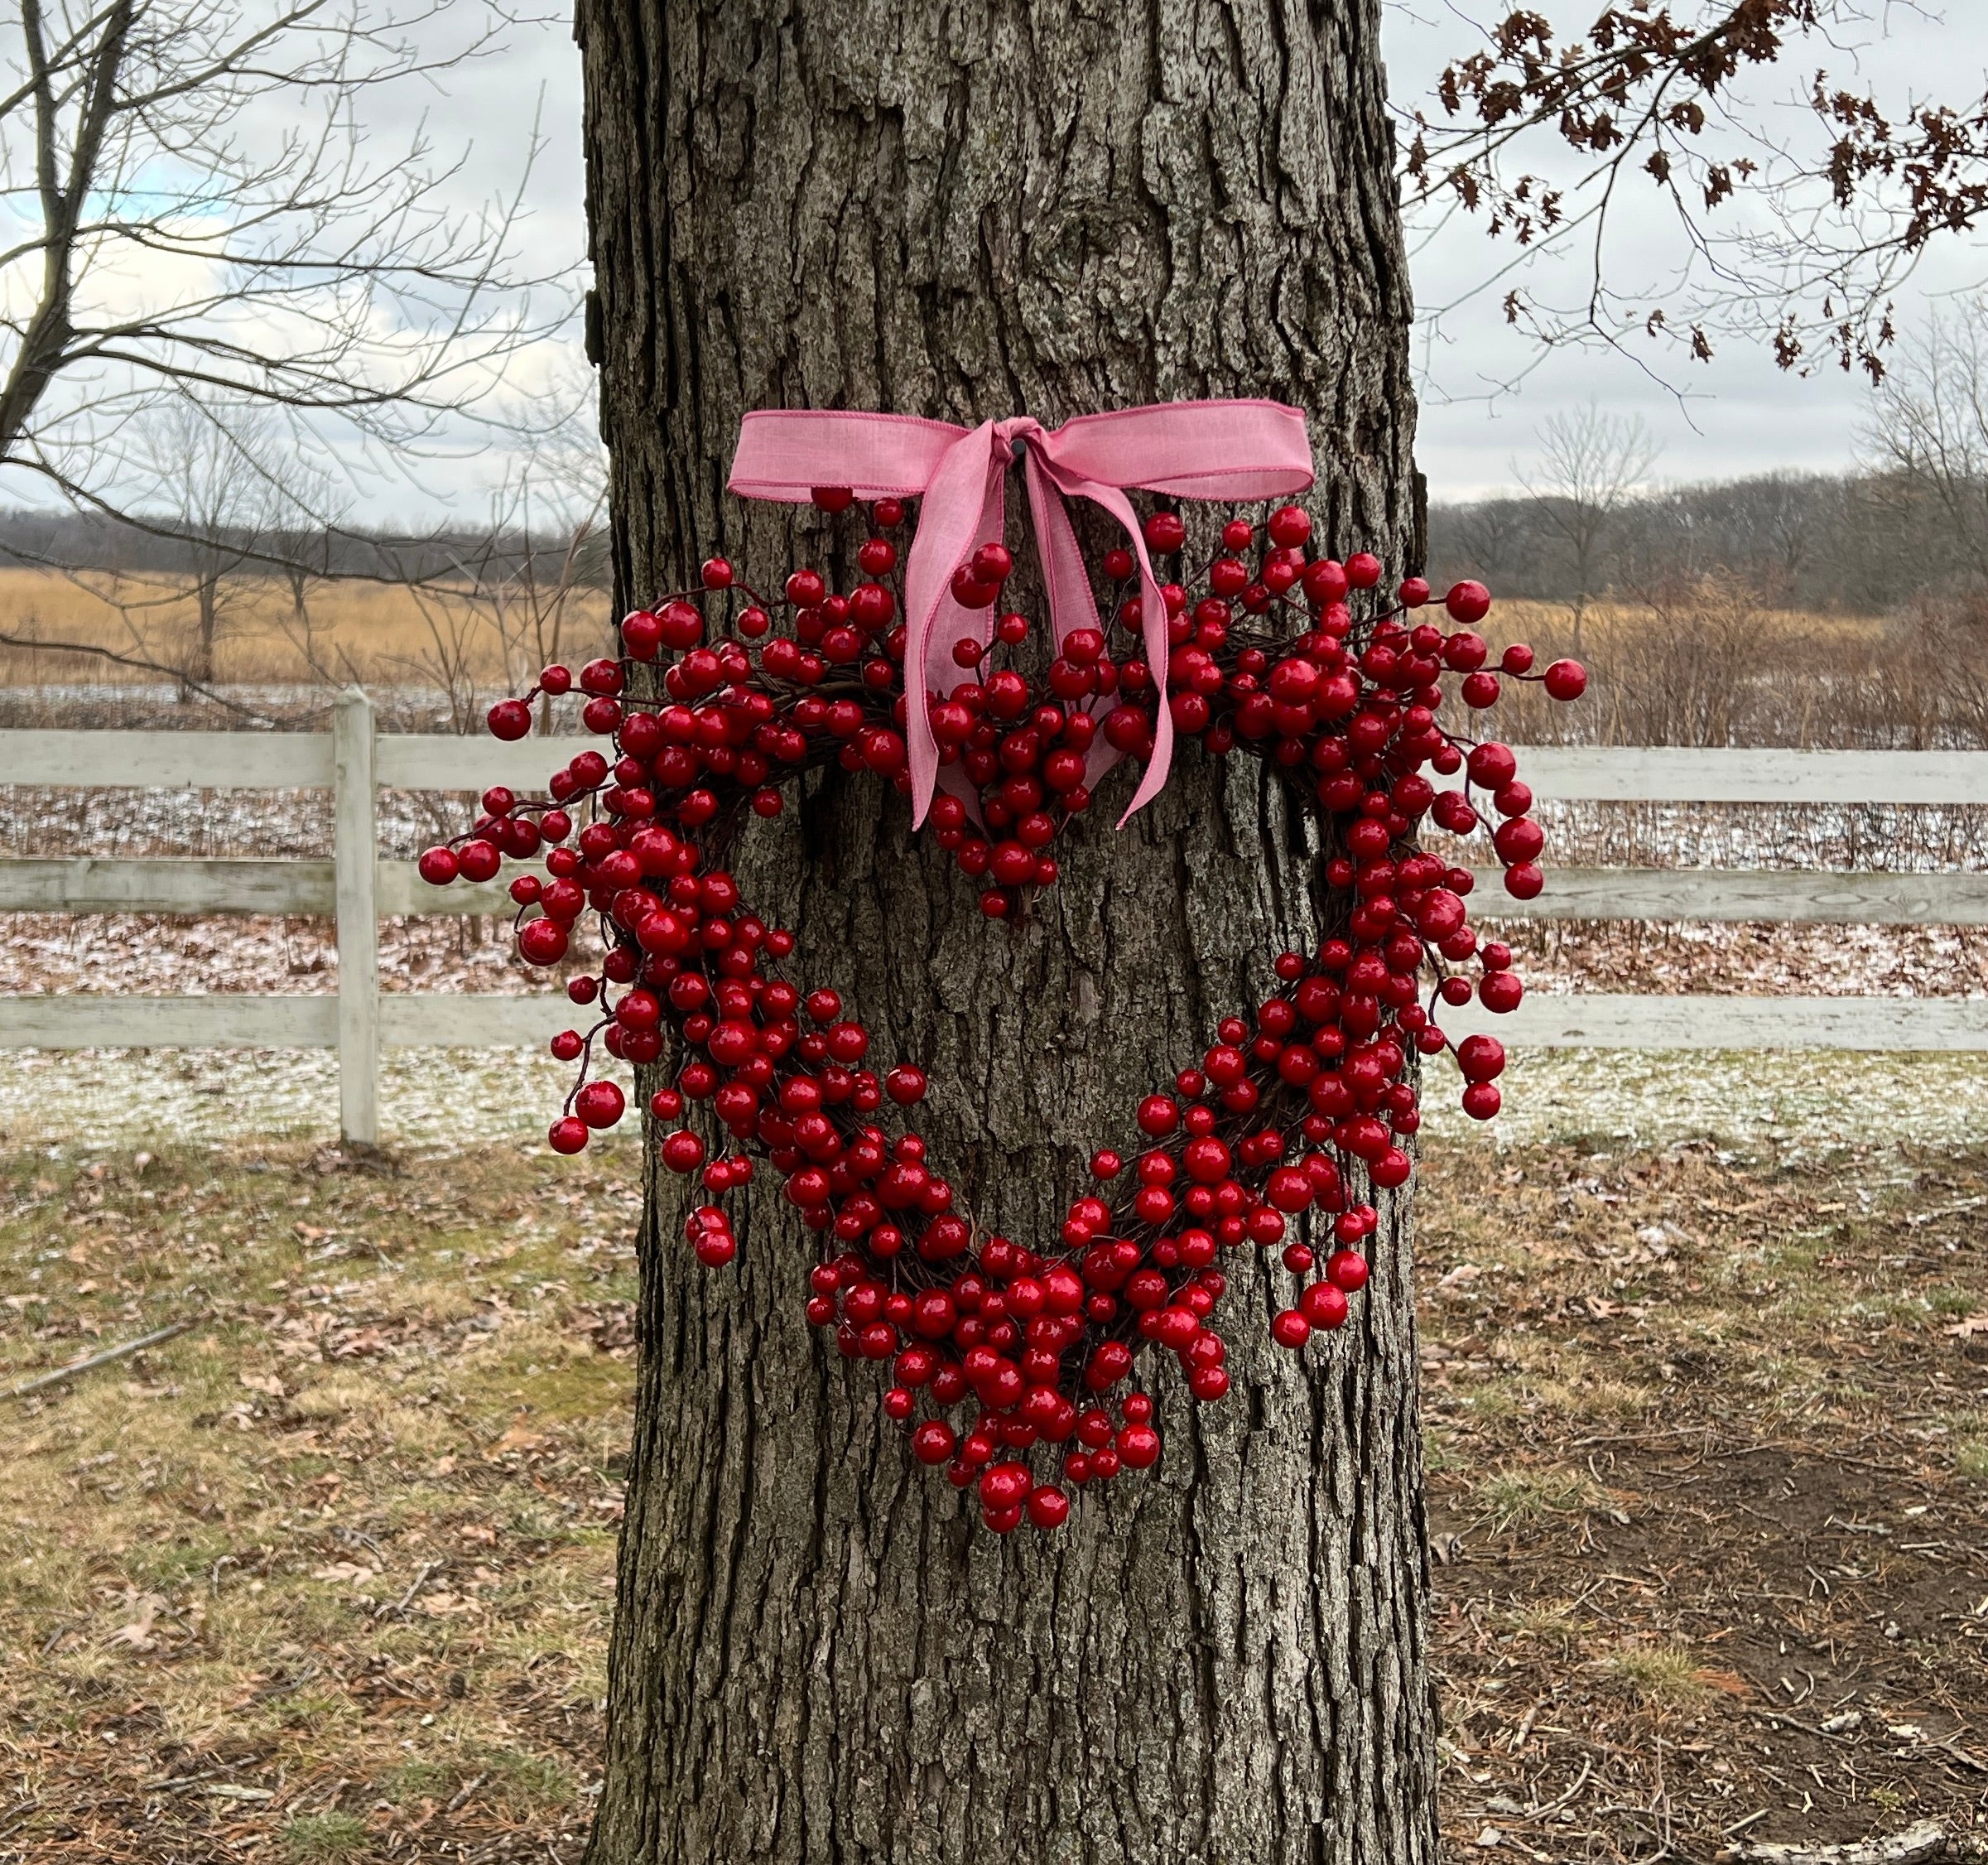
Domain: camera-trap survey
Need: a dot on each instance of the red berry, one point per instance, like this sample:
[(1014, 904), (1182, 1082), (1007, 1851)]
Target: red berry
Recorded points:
[(682, 1151), (568, 1135), (641, 634), (1566, 680), (1323, 1305), (1347, 1270), (1049, 1507), (1290, 526), (1468, 603), (1480, 1058), (510, 719), (600, 1104), (1157, 1115), (541, 942), (1491, 765), (933, 1441), (1481, 1099), (1139, 1446)]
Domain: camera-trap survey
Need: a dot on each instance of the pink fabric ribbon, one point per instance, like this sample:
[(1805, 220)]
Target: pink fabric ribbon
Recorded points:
[(1228, 449)]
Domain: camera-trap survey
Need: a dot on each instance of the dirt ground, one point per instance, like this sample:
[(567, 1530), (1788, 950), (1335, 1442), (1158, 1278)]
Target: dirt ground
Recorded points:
[(327, 1575)]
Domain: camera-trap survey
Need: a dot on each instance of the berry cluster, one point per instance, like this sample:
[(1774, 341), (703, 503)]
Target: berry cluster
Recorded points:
[(1299, 1108)]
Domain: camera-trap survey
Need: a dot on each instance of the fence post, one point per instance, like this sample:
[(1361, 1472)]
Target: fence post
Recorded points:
[(355, 850)]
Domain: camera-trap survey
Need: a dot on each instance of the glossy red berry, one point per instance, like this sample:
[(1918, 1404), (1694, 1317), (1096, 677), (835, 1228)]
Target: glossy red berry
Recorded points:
[(600, 1104), (1566, 680), (682, 1151), (1468, 603)]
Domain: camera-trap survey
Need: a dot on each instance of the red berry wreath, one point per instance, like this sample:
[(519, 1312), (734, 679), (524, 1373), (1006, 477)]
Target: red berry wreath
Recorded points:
[(1267, 649)]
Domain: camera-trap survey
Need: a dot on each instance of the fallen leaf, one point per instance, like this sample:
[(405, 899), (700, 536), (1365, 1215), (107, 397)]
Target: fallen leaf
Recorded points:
[(1730, 1682), (1968, 1325), (517, 1439), (341, 1571), (138, 1635), (265, 1383)]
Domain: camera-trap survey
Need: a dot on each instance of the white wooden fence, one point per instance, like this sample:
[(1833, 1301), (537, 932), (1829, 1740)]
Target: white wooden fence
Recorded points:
[(356, 888)]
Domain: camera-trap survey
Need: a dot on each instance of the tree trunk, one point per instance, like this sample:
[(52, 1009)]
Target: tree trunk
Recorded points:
[(963, 211)]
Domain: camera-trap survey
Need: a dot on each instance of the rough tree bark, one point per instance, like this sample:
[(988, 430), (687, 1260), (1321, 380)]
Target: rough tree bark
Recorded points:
[(963, 211)]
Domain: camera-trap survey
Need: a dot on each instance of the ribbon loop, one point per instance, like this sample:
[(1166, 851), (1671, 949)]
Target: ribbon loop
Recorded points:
[(1230, 450)]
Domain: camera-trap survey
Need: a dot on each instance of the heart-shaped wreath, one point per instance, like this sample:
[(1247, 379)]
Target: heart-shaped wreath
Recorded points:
[(1265, 647)]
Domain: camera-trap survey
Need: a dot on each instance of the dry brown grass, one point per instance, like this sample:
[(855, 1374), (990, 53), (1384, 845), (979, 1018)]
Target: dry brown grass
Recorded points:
[(375, 634), (327, 1577), (1710, 660)]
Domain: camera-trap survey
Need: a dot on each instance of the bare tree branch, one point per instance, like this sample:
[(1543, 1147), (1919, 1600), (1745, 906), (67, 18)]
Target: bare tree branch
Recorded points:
[(1839, 218), (210, 215)]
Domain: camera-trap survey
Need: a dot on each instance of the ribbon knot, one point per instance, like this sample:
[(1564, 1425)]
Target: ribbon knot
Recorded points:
[(1227, 450)]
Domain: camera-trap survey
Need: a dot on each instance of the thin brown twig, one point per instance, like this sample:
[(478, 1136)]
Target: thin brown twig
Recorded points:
[(141, 662)]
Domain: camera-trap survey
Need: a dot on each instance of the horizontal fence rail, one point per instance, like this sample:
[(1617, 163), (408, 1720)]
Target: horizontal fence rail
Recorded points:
[(1600, 1020), (407, 1020), (272, 760), (1669, 773), (87, 883), (355, 762), (1801, 896), (305, 890), (410, 761)]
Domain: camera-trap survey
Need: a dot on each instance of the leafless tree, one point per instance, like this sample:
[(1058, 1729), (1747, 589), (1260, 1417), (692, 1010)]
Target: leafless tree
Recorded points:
[(1591, 465), (527, 575), (1538, 133), (1932, 431), (207, 211)]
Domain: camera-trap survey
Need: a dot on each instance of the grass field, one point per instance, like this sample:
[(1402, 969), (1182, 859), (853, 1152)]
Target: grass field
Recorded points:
[(327, 1576), (388, 635), (375, 634)]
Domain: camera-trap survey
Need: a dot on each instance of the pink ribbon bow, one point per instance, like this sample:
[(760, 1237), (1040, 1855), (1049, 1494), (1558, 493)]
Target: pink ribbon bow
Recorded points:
[(1235, 449)]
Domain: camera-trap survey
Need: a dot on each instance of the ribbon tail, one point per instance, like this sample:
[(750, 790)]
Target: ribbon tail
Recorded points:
[(1066, 578), (949, 521), (1159, 649)]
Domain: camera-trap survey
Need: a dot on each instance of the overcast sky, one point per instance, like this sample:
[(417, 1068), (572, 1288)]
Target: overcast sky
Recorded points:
[(1737, 415)]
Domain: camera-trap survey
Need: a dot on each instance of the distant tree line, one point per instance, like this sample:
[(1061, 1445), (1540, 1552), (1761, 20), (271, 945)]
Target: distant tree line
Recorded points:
[(1911, 524), (1858, 542), (168, 544)]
